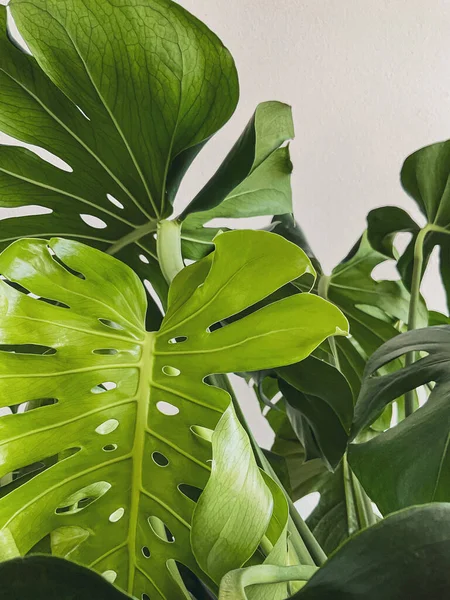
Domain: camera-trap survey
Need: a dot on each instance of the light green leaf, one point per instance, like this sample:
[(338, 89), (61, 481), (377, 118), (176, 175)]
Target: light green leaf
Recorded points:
[(127, 114), (417, 449), (118, 446), (253, 180), (234, 510), (403, 556)]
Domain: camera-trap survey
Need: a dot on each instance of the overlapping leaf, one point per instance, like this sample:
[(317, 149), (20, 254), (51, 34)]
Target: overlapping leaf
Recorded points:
[(253, 180), (125, 93), (118, 447), (425, 177), (417, 449), (404, 556)]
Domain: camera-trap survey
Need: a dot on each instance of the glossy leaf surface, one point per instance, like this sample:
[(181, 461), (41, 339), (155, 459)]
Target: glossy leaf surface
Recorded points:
[(49, 578), (126, 115), (422, 440), (404, 556), (253, 180), (112, 453)]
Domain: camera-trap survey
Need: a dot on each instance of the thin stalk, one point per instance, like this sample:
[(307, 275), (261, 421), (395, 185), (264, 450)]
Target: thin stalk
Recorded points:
[(132, 237), (305, 544), (413, 306), (350, 501), (361, 505), (168, 244)]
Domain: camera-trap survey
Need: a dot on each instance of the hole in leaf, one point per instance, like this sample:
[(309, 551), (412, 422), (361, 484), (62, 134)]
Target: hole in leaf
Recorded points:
[(106, 351), (146, 552), (27, 349), (110, 576), (167, 409), (62, 264), (145, 597), (83, 113), (56, 303), (171, 371), (94, 222), (28, 406), (18, 477), (160, 529), (110, 448), (178, 340), (66, 539), (160, 459), (115, 201), (111, 324), (190, 491), (107, 427), (144, 259), (154, 296), (116, 515), (83, 498), (106, 386), (203, 433)]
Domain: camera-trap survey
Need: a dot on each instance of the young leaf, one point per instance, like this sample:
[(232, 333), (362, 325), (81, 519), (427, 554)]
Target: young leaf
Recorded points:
[(127, 115), (124, 434), (49, 578), (417, 449), (253, 180), (234, 510), (403, 556)]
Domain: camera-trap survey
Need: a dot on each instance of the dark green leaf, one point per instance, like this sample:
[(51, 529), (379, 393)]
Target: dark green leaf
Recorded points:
[(49, 578), (417, 449), (404, 557), (253, 180), (319, 404), (127, 115)]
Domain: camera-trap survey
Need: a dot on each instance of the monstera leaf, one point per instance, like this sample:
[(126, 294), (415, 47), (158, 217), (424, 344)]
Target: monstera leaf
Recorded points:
[(417, 449), (403, 556), (253, 180), (424, 177), (372, 307), (49, 578), (115, 447), (127, 115)]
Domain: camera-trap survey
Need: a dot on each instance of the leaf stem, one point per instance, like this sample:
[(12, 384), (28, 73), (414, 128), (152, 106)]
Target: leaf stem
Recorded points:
[(413, 305), (168, 244), (234, 583), (132, 237)]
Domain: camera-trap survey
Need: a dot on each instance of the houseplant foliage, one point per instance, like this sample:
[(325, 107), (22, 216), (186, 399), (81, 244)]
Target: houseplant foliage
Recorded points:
[(127, 469)]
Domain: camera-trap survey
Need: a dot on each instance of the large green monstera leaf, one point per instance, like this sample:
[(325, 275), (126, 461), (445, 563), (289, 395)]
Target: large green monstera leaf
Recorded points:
[(125, 93), (112, 449)]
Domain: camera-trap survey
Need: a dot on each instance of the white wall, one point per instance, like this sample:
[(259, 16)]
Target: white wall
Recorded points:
[(369, 82)]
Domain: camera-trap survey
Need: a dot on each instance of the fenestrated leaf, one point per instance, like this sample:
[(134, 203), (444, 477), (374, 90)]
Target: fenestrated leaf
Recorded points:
[(417, 449), (253, 180), (235, 508), (373, 308), (126, 431), (403, 556), (49, 578), (424, 177), (127, 114), (319, 404)]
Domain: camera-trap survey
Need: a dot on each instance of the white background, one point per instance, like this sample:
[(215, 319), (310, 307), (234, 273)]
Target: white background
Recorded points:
[(369, 82)]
